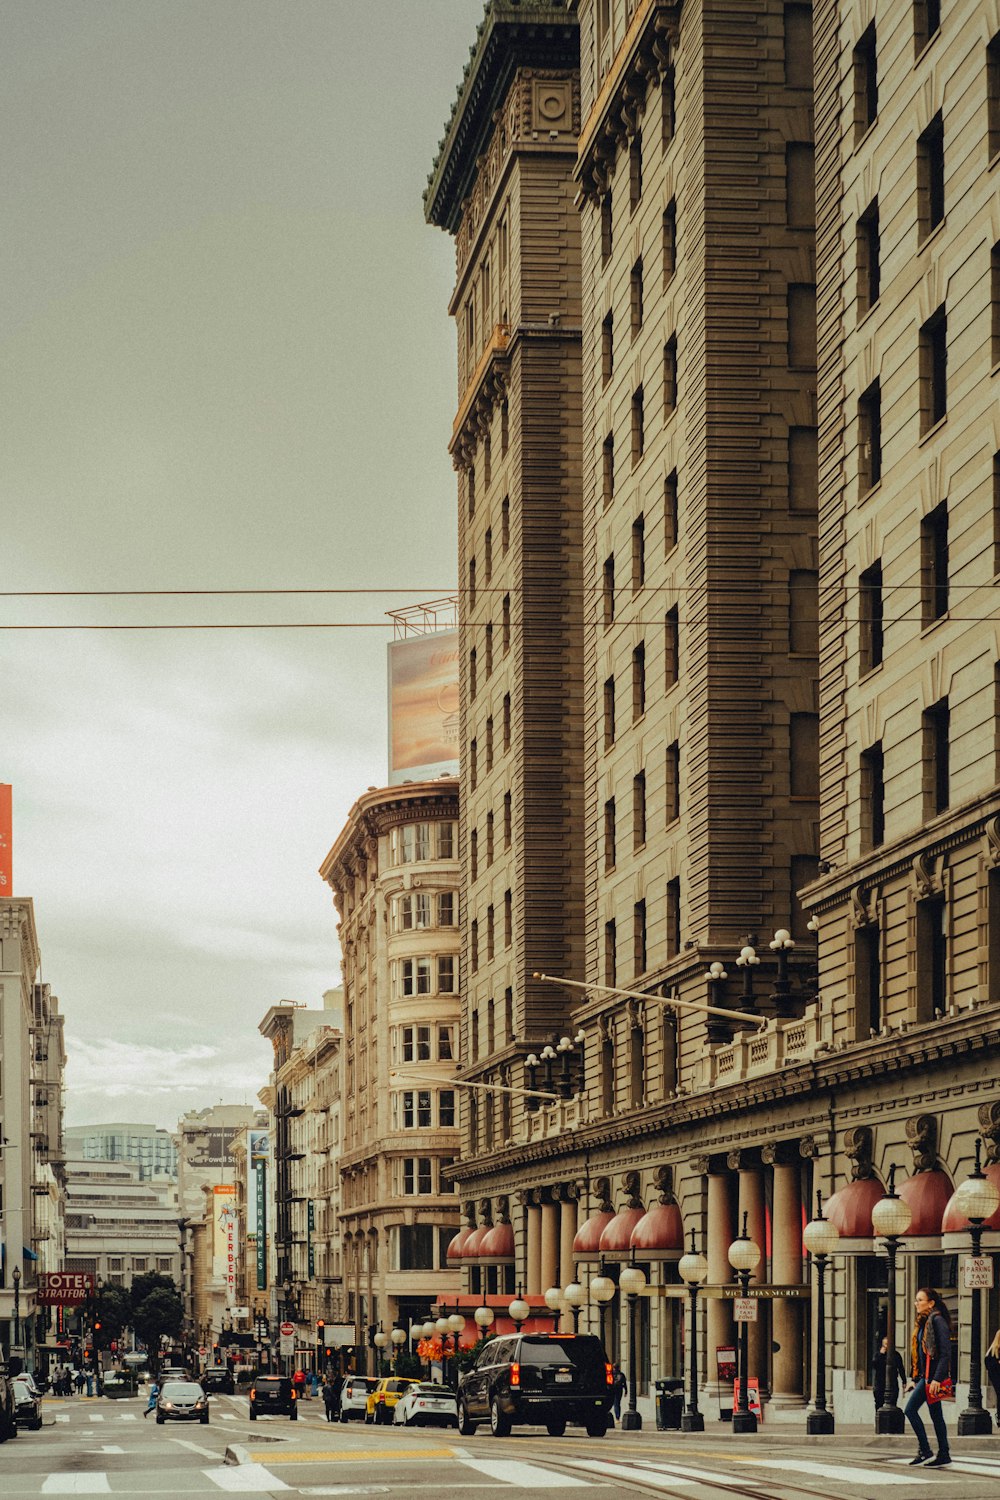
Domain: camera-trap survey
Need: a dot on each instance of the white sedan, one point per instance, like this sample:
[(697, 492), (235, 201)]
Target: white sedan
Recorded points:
[(427, 1406)]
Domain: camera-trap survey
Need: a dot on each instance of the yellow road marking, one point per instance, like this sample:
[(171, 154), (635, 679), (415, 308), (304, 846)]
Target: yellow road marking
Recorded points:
[(360, 1455)]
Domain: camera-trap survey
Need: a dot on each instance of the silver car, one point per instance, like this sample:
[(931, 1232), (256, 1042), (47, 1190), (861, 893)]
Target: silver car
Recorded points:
[(181, 1401)]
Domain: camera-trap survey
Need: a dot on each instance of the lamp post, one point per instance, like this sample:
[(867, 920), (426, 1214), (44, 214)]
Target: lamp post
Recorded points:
[(380, 1340), (518, 1311), (890, 1220), (456, 1323), (632, 1281), (977, 1200), (717, 1030), (574, 1296), (398, 1336), (554, 1302), (602, 1290), (744, 1256), (782, 944), (747, 961), (16, 1278), (820, 1238), (693, 1269), (484, 1319)]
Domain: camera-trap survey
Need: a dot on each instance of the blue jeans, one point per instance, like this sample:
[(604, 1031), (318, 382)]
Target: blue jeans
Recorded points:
[(912, 1410)]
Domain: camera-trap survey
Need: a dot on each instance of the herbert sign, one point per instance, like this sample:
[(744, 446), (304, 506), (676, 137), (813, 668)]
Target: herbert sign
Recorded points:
[(64, 1288)]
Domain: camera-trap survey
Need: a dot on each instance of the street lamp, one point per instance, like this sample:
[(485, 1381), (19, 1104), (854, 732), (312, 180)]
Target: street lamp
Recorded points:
[(976, 1199), (574, 1296), (398, 1336), (380, 1340), (632, 1282), (820, 1238), (693, 1269), (602, 1290), (890, 1220), (782, 944), (744, 1256), (518, 1311), (484, 1319), (554, 1302), (747, 961)]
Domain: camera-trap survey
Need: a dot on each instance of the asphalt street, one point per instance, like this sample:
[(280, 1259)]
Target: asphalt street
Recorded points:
[(103, 1447)]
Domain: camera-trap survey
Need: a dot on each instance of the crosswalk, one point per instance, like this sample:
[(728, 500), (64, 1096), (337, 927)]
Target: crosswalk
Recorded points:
[(131, 1416)]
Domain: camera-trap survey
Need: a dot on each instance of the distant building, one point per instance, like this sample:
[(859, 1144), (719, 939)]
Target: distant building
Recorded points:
[(119, 1225), (151, 1148)]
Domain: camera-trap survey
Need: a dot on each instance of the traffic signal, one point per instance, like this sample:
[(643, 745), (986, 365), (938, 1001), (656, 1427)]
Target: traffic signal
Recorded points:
[(328, 1352), (320, 1325)]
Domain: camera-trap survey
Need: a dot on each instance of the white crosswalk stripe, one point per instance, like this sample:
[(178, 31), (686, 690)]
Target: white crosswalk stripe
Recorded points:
[(76, 1484), (527, 1476), (95, 1416), (245, 1479), (62, 1416)]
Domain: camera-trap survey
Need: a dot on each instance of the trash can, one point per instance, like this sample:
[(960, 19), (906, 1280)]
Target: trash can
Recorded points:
[(669, 1404)]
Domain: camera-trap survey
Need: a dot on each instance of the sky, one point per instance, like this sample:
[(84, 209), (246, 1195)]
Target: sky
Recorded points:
[(226, 363)]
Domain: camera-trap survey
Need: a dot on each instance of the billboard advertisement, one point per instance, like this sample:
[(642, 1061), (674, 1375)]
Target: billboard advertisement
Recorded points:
[(64, 1288), (423, 706), (258, 1153), (6, 841), (224, 1239), (212, 1148)]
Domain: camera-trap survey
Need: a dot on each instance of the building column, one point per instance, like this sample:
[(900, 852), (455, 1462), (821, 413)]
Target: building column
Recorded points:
[(550, 1245), (533, 1251), (567, 1265), (786, 1270), (719, 1237), (751, 1203)]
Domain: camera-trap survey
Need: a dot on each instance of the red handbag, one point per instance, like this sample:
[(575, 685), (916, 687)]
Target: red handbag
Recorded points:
[(946, 1387)]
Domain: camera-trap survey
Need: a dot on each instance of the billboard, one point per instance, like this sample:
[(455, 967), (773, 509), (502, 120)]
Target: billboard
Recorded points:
[(212, 1148), (423, 706), (64, 1288), (224, 1239), (6, 841), (258, 1153)]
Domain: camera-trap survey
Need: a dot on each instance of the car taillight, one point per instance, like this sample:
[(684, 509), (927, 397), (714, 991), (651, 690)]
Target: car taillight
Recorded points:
[(515, 1374), (253, 1393), (294, 1393), (609, 1375)]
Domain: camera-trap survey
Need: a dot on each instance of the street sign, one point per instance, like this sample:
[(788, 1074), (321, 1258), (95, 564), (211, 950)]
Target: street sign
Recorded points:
[(745, 1310), (977, 1271), (287, 1330), (64, 1288), (286, 1344)]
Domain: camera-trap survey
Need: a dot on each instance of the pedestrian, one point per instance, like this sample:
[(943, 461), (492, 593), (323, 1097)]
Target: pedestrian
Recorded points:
[(930, 1350), (313, 1383), (619, 1389), (88, 1376), (79, 1380), (152, 1398), (992, 1363), (331, 1397), (878, 1372), (299, 1382)]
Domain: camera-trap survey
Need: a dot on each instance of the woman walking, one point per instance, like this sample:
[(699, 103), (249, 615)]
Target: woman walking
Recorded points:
[(930, 1348)]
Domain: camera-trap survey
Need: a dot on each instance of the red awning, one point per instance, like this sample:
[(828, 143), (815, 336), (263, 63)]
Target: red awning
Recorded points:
[(660, 1232), (953, 1222), (497, 1246), (616, 1237), (456, 1244), (927, 1194), (587, 1244), (850, 1208), (472, 1249)]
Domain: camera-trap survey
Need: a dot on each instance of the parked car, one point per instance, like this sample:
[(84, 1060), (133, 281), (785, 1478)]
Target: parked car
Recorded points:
[(218, 1378), (354, 1395), (544, 1379), (273, 1396), (8, 1421), (382, 1400), (423, 1405), (27, 1403), (181, 1401)]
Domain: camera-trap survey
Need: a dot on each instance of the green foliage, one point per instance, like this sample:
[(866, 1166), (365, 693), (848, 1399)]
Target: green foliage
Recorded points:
[(112, 1310), (159, 1312), (409, 1365), (149, 1281), (467, 1356)]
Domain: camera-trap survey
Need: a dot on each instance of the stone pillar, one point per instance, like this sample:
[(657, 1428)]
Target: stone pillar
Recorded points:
[(567, 1265), (751, 1203), (786, 1270), (550, 1245), (533, 1258), (720, 1236)]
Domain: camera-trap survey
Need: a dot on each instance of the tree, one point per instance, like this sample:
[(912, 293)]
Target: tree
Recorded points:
[(156, 1310), (110, 1314)]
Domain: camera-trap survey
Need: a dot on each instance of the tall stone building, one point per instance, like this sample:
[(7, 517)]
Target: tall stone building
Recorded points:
[(766, 643)]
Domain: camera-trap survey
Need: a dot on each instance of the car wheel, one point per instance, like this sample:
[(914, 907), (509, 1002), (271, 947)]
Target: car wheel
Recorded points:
[(37, 1426), (466, 1425), (500, 1423), (160, 1420), (204, 1420), (343, 1416), (597, 1425), (555, 1426)]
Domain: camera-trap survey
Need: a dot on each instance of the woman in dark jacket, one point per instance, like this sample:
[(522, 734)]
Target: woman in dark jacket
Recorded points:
[(931, 1353)]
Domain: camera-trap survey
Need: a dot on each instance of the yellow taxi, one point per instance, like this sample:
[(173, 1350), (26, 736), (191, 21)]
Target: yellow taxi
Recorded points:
[(384, 1397)]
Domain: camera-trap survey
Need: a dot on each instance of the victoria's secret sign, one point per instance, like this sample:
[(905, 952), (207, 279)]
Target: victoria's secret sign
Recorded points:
[(64, 1288)]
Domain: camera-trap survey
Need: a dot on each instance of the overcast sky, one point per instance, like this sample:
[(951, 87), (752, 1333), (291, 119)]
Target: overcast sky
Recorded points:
[(226, 363)]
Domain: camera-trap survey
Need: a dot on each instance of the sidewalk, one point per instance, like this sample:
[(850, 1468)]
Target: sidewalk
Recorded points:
[(794, 1435)]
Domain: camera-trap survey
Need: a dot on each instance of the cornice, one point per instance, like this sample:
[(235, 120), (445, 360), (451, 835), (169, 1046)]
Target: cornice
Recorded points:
[(491, 379)]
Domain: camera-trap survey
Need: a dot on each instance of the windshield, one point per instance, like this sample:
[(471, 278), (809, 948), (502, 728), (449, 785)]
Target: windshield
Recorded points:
[(180, 1390), (433, 1390), (583, 1354)]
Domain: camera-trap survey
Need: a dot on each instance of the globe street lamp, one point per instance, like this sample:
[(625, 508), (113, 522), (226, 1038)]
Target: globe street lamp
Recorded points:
[(574, 1296), (977, 1199), (693, 1269), (632, 1282), (744, 1256), (602, 1290), (820, 1238), (554, 1302), (484, 1319), (16, 1278), (380, 1340), (518, 1311), (781, 945), (890, 1220), (398, 1336)]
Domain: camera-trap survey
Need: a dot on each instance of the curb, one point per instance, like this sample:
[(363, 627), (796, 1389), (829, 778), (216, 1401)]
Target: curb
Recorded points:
[(237, 1454)]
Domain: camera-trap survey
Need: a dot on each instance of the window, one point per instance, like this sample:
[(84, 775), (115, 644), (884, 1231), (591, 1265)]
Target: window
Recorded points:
[(635, 296), (932, 959), (415, 1247), (867, 980), (416, 974), (638, 426), (672, 647), (668, 106), (505, 524), (800, 185), (870, 438), (474, 945), (635, 171), (670, 375), (639, 963), (444, 1034), (802, 326), (489, 839), (607, 229), (446, 974), (865, 83), (803, 469), (505, 624), (608, 348), (489, 743), (473, 763), (607, 1074), (417, 1109), (610, 835), (798, 46), (409, 843), (488, 553), (996, 512), (608, 589), (669, 241), (413, 912), (673, 782), (489, 649), (870, 610), (934, 564), (803, 745), (926, 22), (993, 95), (446, 1108), (474, 853), (869, 257), (933, 370), (670, 511), (504, 428), (803, 612), (490, 932), (506, 721), (416, 1044), (610, 953), (507, 819), (446, 840), (995, 304), (638, 682), (472, 492), (417, 1175), (487, 460), (472, 673), (446, 909), (872, 797), (936, 747), (673, 917), (608, 468), (472, 583), (638, 810), (930, 177)]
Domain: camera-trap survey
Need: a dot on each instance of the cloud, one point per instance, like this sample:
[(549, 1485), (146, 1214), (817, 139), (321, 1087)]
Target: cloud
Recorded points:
[(113, 1080)]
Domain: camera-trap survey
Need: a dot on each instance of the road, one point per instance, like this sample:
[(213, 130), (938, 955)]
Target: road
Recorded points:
[(104, 1447)]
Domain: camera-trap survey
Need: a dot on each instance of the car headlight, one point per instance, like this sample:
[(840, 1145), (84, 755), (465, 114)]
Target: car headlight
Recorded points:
[(168, 1406)]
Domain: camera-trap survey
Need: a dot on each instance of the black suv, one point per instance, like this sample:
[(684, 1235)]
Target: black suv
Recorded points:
[(274, 1395), (547, 1379), (218, 1378)]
